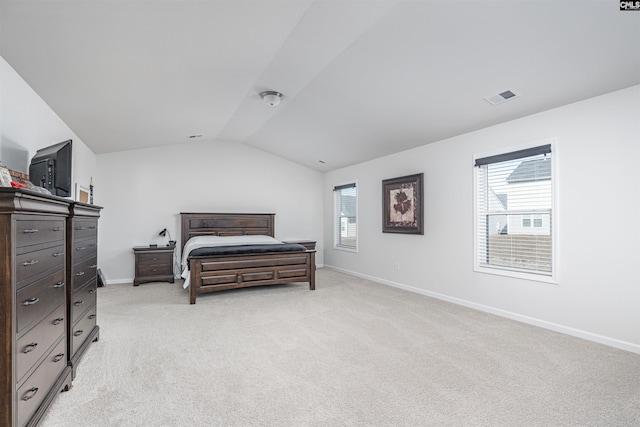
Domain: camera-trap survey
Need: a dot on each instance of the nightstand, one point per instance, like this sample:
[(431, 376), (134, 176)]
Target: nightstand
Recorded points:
[(153, 264), (309, 244)]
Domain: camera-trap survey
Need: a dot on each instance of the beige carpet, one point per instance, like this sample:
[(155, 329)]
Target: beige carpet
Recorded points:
[(351, 353)]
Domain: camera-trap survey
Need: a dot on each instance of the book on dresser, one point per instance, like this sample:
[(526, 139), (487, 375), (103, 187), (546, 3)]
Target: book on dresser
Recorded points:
[(41, 305)]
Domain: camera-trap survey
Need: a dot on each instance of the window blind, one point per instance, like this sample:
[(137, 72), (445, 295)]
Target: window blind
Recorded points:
[(346, 224), (514, 217)]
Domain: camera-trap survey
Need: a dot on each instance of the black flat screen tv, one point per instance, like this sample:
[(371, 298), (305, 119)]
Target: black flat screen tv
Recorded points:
[(50, 168)]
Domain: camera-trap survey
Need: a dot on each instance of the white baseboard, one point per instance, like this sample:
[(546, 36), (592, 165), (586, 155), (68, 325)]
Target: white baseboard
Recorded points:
[(612, 342), (119, 281)]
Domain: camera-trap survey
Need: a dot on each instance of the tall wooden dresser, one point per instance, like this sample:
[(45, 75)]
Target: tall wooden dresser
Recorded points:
[(82, 256), (35, 361)]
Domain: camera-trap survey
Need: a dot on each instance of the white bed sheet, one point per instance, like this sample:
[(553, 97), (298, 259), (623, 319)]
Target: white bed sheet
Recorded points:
[(208, 241)]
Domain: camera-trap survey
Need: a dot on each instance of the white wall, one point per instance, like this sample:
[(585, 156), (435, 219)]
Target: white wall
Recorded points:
[(144, 191), (598, 163), (27, 124)]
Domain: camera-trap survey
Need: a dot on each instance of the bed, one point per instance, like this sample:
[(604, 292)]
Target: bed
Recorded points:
[(254, 257)]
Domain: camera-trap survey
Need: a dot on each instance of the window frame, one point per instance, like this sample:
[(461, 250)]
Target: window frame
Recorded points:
[(505, 271), (336, 245)]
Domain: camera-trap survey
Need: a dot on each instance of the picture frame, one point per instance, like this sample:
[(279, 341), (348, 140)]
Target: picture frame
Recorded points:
[(5, 177), (403, 205), (82, 194)]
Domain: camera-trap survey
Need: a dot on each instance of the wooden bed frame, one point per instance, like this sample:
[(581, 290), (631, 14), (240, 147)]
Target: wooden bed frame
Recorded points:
[(221, 272)]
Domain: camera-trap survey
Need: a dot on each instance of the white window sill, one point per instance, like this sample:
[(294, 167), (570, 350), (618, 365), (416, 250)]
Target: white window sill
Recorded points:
[(346, 249), (517, 274)]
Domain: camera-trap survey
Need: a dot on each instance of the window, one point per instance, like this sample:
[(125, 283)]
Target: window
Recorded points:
[(346, 219), (514, 213)]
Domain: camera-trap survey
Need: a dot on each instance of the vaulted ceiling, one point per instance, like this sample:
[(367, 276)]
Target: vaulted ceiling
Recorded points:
[(361, 79)]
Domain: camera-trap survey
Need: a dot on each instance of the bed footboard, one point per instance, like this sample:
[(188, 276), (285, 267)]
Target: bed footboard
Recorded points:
[(217, 273)]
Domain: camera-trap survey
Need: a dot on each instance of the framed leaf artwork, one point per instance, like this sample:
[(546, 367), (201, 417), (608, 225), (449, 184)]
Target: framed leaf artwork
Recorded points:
[(402, 204)]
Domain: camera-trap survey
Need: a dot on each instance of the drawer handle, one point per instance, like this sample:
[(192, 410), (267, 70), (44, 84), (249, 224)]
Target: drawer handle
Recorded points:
[(155, 259), (91, 291), (31, 301), (92, 316), (78, 333), (80, 227), (58, 228), (57, 321), (57, 254), (78, 303), (29, 348), (81, 273), (80, 248), (92, 227), (30, 230), (30, 393), (58, 357), (28, 263), (58, 285)]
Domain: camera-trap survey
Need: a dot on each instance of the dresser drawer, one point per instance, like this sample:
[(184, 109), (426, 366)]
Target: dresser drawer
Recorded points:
[(83, 271), (84, 248), (37, 341), (35, 301), (32, 263), (32, 232), (85, 228), (36, 387), (82, 299), (83, 328)]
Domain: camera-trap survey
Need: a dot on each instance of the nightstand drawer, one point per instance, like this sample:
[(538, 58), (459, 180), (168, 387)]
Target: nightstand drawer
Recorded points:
[(156, 267), (155, 258)]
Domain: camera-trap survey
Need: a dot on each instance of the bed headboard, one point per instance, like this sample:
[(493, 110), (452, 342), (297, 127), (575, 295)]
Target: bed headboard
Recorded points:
[(225, 224)]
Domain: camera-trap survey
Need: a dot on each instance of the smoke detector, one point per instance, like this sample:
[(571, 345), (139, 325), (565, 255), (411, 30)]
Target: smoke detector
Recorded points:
[(501, 97)]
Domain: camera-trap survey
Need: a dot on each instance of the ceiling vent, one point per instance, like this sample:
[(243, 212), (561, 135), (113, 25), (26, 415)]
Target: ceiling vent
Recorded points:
[(501, 97)]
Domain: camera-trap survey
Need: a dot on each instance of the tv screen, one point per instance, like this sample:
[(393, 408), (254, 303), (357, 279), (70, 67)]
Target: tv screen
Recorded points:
[(50, 168)]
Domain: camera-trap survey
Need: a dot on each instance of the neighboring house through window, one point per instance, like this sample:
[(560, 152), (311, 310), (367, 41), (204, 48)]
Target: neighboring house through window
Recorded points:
[(346, 218), (514, 213)]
